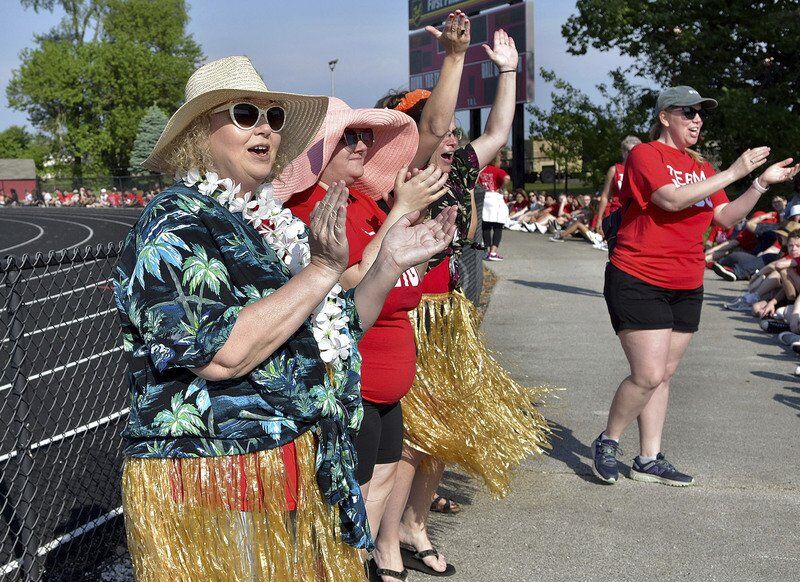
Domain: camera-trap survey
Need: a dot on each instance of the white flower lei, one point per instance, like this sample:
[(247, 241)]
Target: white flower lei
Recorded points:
[(286, 234)]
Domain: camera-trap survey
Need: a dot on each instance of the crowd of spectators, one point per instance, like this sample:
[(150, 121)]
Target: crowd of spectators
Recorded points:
[(106, 198), (764, 252), (568, 215)]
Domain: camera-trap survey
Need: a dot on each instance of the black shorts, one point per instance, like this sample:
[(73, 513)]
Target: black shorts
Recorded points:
[(634, 304), (380, 439)]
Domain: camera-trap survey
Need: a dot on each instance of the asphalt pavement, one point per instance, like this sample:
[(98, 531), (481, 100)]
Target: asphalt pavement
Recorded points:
[(733, 422)]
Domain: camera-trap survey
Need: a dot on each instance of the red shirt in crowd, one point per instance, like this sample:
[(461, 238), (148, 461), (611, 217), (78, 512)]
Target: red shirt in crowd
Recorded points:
[(718, 235), (657, 246), (388, 351), (748, 241), (492, 178), (616, 188)]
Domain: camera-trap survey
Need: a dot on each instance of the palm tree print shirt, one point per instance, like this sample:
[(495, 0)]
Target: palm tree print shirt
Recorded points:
[(187, 268)]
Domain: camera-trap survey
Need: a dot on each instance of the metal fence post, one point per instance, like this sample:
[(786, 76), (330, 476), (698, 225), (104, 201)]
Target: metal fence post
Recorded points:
[(29, 566)]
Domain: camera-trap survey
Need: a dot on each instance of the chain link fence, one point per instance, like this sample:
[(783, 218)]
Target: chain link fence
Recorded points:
[(63, 404)]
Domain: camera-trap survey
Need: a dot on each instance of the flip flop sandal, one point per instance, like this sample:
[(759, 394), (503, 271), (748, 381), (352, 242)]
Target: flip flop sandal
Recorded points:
[(374, 573), (448, 507), (413, 561)]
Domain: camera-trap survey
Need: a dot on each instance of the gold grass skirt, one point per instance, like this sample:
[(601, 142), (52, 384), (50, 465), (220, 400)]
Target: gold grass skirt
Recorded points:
[(464, 408), (184, 521)]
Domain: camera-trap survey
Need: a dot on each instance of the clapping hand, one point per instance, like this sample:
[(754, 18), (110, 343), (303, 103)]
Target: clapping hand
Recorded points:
[(455, 35), (504, 53), (750, 160), (779, 172), (408, 244), (418, 189), (327, 239)]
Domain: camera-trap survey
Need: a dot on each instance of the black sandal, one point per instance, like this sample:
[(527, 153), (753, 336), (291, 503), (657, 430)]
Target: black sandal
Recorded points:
[(374, 573), (413, 560), (449, 506)]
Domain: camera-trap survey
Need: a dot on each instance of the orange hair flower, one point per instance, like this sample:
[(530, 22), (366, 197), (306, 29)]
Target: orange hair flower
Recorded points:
[(412, 98)]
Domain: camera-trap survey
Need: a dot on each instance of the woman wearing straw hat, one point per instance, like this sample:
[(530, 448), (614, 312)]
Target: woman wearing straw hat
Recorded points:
[(244, 367), (463, 408), (369, 149), (654, 280)]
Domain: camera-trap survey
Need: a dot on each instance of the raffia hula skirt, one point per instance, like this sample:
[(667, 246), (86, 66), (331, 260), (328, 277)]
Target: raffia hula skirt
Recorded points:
[(464, 408), (226, 519)]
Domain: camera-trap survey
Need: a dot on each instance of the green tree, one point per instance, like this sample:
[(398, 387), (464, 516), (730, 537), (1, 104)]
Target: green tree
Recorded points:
[(744, 54), (88, 82), (16, 142), (576, 128), (150, 128)]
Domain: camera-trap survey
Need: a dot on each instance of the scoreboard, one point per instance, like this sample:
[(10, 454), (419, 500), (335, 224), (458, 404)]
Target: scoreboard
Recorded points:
[(479, 79)]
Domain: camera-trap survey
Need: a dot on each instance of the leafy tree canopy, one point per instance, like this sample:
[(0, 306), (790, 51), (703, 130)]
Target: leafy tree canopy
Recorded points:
[(17, 143), (578, 128), (744, 54), (87, 83)]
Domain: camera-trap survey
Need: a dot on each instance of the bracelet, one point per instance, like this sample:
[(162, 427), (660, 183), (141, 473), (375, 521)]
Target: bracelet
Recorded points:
[(759, 188), (508, 71)]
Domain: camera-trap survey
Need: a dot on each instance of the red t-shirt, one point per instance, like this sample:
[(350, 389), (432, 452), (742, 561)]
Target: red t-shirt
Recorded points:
[(718, 235), (437, 280), (388, 352), (657, 246), (492, 178), (616, 188), (748, 241)]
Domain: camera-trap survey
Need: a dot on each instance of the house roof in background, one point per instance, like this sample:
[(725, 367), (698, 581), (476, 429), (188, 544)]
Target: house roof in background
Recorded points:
[(17, 169)]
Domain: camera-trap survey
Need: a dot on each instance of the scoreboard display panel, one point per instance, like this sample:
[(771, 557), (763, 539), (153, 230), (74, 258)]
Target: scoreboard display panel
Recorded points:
[(479, 79)]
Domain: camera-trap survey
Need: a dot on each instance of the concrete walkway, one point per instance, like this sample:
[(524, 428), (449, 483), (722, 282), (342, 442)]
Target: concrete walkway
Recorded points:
[(734, 423)]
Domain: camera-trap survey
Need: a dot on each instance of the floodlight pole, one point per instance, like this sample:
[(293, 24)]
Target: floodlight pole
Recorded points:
[(332, 66)]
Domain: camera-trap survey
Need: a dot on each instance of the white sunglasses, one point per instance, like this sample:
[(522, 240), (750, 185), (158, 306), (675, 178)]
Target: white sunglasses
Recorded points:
[(246, 115)]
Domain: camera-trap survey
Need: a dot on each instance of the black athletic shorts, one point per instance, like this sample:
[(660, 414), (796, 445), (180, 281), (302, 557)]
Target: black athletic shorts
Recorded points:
[(380, 440), (634, 304)]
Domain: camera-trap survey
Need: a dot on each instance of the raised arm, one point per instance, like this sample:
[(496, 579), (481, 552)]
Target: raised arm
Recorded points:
[(495, 135), (601, 208), (441, 105), (729, 214)]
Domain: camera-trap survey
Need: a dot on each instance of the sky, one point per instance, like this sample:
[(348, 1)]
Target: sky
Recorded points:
[(291, 42)]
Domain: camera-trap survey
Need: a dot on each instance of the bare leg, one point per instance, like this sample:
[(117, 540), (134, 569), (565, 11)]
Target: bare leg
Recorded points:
[(406, 497), (414, 524), (378, 490), (381, 488), (651, 419), (647, 351)]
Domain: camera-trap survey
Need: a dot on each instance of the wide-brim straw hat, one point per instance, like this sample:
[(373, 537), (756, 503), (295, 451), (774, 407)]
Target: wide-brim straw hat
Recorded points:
[(230, 79), (396, 141)]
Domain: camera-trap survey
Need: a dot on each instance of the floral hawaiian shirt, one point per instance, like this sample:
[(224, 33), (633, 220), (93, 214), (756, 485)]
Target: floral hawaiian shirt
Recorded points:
[(187, 268)]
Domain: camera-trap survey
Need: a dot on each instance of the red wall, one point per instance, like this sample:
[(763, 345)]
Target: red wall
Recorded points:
[(19, 185)]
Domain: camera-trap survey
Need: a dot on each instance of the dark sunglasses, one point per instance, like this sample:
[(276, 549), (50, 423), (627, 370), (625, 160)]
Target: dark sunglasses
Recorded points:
[(689, 112), (351, 137), (246, 115)]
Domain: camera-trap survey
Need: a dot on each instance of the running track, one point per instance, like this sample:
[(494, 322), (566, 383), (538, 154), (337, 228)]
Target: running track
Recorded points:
[(75, 379)]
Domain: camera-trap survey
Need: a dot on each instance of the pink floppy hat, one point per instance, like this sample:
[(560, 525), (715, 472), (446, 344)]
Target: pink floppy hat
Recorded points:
[(396, 141)]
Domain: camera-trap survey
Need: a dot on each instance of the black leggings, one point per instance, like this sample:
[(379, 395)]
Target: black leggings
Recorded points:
[(492, 233)]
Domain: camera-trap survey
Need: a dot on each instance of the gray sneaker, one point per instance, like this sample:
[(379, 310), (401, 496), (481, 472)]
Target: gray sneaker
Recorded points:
[(740, 304), (659, 471)]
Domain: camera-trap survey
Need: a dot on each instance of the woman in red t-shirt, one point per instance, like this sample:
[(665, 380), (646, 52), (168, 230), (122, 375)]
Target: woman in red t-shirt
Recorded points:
[(654, 280), (609, 199), (369, 150)]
